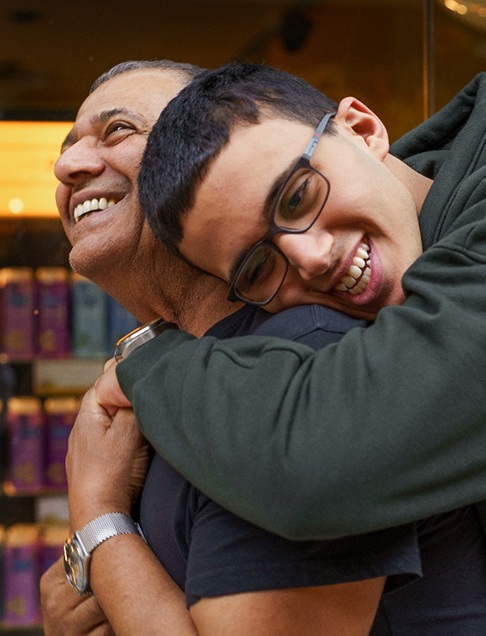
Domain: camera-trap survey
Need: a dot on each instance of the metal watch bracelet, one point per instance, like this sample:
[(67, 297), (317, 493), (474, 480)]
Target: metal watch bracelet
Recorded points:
[(106, 526)]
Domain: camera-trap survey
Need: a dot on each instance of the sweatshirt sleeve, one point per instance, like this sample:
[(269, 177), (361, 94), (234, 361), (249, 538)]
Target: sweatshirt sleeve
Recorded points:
[(384, 427)]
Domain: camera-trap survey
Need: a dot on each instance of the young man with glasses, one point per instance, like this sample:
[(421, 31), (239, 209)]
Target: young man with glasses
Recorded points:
[(251, 184), (396, 408)]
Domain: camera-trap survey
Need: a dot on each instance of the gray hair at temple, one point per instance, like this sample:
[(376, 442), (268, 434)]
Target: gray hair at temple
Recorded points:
[(185, 70)]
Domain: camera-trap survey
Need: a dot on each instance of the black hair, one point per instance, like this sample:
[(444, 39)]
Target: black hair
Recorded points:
[(196, 125), (188, 71)]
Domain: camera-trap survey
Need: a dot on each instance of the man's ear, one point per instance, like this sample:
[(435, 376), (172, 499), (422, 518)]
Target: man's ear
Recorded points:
[(358, 119)]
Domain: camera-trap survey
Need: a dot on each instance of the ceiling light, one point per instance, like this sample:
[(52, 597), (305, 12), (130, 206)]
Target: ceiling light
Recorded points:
[(470, 11), (29, 152)]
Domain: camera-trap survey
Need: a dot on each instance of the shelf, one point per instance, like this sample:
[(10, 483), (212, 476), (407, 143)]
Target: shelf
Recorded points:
[(34, 630), (5, 494), (65, 376)]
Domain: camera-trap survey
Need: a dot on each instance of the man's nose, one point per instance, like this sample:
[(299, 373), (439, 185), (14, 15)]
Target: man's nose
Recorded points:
[(309, 252), (78, 161)]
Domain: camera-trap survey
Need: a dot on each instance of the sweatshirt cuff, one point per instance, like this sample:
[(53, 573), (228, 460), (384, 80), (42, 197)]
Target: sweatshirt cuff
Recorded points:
[(141, 360)]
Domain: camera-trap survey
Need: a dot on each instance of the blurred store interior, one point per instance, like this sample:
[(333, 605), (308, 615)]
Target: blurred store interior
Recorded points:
[(403, 58)]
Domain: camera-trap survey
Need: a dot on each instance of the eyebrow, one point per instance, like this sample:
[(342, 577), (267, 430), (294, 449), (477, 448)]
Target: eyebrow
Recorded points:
[(266, 211), (101, 118)]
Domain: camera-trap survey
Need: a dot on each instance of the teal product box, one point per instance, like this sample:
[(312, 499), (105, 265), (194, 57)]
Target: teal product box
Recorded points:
[(120, 322), (89, 318)]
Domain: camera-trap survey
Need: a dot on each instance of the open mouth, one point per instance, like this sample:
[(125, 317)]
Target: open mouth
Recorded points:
[(92, 205), (356, 280)]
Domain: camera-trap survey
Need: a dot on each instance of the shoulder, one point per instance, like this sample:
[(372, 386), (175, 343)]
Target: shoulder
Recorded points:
[(313, 325)]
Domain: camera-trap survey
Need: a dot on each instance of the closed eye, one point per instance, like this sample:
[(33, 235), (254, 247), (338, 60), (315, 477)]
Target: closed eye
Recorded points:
[(117, 131)]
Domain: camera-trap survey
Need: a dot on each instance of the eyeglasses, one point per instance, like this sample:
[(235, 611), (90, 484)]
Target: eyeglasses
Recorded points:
[(297, 207)]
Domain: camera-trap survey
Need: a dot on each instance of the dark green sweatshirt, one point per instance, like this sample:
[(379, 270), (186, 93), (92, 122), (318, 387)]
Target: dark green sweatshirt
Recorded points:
[(385, 427)]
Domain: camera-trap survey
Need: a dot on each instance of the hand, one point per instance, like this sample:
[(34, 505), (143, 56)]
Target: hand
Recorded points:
[(64, 612), (108, 391), (106, 462)]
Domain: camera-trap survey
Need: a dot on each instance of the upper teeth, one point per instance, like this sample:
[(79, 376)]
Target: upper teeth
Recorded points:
[(359, 273), (91, 205)]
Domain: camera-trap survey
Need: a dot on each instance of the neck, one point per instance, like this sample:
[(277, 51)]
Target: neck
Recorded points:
[(174, 291), (202, 305), (417, 184)]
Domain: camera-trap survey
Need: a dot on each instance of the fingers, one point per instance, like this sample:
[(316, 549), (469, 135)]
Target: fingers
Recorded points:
[(109, 363), (64, 612), (106, 462), (108, 391)]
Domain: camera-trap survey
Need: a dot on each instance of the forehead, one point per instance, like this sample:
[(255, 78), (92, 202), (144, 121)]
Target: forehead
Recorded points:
[(143, 92), (228, 213)]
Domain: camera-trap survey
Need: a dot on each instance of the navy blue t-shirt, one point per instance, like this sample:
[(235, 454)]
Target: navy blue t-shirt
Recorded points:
[(436, 568)]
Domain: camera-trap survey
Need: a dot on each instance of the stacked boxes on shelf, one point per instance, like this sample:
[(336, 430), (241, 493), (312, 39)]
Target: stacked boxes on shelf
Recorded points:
[(51, 312), (26, 551), (37, 438), (49, 317)]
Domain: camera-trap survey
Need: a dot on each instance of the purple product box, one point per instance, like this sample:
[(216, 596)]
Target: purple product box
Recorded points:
[(59, 416), (17, 323), (51, 544), (53, 296), (25, 472), (21, 577)]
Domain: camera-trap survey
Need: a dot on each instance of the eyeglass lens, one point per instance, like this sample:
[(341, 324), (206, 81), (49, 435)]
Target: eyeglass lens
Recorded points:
[(297, 208), (265, 266), (300, 201)]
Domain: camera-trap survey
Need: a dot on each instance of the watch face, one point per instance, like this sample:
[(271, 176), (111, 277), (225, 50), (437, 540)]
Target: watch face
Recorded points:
[(75, 566)]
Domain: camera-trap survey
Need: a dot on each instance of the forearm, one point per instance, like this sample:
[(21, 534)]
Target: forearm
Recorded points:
[(105, 464), (135, 592), (366, 434)]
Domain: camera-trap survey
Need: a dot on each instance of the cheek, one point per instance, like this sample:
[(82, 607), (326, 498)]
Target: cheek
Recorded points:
[(293, 292), (62, 202)]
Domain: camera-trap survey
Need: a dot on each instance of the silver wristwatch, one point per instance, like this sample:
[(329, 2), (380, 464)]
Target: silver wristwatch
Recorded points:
[(139, 336), (79, 547)]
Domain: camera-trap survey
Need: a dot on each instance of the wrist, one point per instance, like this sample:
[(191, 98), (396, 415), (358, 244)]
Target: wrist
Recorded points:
[(80, 546), (81, 515)]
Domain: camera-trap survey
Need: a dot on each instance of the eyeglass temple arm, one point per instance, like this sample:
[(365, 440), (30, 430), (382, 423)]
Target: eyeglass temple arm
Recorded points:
[(317, 134)]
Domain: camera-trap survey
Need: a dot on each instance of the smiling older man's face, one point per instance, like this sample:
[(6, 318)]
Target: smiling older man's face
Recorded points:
[(98, 169)]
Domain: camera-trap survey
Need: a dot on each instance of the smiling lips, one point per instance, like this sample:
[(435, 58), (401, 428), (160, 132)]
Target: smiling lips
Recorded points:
[(92, 205), (359, 273)]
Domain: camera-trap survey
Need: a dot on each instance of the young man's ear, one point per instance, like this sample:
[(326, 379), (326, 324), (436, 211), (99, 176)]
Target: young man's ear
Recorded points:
[(360, 121)]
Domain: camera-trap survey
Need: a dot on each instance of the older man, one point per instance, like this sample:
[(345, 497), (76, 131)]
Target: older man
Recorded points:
[(113, 246)]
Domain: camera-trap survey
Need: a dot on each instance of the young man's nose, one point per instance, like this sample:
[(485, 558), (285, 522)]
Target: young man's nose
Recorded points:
[(77, 161), (309, 253)]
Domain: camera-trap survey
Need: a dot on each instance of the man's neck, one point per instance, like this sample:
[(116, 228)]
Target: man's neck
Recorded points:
[(178, 293), (205, 304)]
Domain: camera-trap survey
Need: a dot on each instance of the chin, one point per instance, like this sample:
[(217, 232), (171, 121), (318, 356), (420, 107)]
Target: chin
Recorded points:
[(95, 266)]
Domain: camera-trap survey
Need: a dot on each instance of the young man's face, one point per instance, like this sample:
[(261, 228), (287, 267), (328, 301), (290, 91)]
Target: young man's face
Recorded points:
[(368, 228), (98, 168)]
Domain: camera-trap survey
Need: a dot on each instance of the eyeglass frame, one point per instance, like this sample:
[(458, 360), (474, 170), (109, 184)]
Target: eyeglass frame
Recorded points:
[(274, 229)]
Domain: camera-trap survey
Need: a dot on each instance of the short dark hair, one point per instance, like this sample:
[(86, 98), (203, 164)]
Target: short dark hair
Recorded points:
[(188, 71), (196, 125)]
